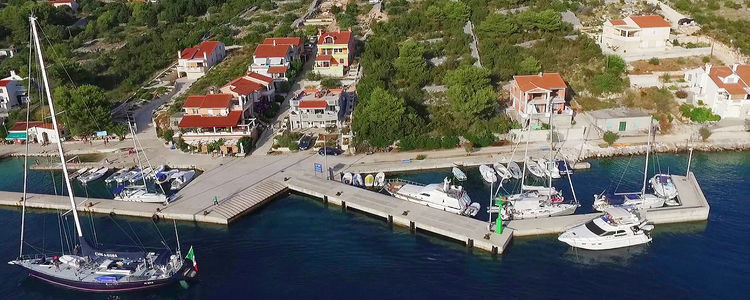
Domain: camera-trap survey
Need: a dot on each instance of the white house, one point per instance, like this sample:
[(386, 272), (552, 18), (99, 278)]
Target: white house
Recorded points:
[(635, 35), (12, 93), (272, 60), (39, 132), (194, 62), (317, 109), (723, 89)]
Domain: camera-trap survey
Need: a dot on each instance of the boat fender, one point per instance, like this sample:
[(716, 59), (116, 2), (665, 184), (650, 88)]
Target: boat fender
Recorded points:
[(112, 213), (155, 217)]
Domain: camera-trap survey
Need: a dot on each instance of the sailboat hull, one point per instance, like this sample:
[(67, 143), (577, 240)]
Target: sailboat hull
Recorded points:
[(109, 287)]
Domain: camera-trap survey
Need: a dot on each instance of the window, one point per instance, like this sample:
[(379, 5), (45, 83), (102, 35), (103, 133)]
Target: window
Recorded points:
[(623, 126), (341, 60), (594, 228)]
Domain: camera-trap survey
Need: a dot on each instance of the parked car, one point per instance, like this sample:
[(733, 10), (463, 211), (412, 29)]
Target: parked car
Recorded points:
[(329, 151), (305, 142)]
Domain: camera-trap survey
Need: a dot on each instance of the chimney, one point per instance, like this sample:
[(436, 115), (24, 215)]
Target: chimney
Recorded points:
[(734, 68), (178, 54), (540, 74), (350, 28), (320, 32), (204, 56), (708, 68), (12, 74), (274, 42)]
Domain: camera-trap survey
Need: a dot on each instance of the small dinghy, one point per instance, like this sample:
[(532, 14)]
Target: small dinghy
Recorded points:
[(379, 179), (663, 186), (357, 180), (515, 170), (534, 168), (487, 173), (460, 176), (347, 178), (502, 171), (93, 175), (369, 180)]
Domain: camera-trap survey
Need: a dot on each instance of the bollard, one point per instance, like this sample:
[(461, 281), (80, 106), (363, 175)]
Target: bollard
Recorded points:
[(412, 227), (343, 206), (470, 244)]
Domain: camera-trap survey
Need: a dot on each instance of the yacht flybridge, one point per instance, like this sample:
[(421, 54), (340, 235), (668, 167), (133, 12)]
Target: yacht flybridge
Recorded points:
[(443, 196), (618, 227)]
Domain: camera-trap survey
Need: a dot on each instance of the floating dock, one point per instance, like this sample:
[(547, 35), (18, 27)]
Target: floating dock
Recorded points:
[(471, 232)]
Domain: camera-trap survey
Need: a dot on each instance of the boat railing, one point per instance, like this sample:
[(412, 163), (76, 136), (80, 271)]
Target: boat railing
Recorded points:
[(404, 181)]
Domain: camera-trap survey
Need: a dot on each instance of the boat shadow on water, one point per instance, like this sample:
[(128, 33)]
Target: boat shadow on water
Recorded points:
[(617, 257)]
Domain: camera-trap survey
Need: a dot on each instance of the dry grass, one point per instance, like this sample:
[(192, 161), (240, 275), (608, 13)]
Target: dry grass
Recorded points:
[(669, 64)]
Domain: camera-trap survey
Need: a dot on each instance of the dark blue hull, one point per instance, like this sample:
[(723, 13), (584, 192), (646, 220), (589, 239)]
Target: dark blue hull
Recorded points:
[(112, 287)]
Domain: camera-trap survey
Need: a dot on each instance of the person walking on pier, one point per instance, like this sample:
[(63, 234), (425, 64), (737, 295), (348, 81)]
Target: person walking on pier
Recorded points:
[(216, 200)]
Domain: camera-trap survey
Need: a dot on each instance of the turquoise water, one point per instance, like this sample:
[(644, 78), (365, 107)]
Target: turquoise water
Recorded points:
[(296, 247)]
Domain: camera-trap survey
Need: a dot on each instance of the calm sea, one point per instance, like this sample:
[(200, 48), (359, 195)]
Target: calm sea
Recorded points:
[(298, 248)]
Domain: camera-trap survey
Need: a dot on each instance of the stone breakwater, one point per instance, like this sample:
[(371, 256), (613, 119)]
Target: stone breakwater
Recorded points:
[(594, 151)]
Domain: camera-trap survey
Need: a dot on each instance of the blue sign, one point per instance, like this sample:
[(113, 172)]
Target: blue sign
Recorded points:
[(101, 133), (318, 168)]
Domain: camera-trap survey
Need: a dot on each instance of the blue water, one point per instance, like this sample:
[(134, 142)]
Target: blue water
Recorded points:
[(296, 247)]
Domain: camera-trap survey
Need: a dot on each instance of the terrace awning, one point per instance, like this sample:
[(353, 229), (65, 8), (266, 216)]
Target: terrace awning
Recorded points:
[(16, 136)]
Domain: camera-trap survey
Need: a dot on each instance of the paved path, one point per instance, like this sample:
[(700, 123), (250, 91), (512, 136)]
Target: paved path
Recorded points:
[(469, 29)]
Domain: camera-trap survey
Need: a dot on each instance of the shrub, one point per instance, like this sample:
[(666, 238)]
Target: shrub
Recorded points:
[(607, 83), (704, 132), (182, 145), (167, 135), (294, 146), (330, 83), (681, 60), (421, 157), (469, 147), (706, 59), (666, 77), (610, 137), (698, 114), (245, 143), (654, 61), (682, 94), (312, 76), (449, 142)]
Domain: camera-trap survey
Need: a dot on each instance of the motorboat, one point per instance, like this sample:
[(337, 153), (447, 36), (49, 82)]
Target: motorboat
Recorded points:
[(502, 171), (515, 170), (533, 202), (369, 180), (618, 227), (549, 168), (663, 186), (116, 175), (139, 193), (458, 174), (488, 173), (357, 180), (642, 201), (165, 176), (347, 178), (379, 179), (127, 177), (534, 168), (181, 179), (93, 175), (141, 175), (445, 196), (79, 173)]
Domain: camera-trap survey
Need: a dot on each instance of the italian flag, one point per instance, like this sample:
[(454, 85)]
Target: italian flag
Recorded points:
[(191, 256)]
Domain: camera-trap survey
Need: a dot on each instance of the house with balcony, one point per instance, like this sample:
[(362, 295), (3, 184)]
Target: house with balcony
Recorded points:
[(536, 96), (317, 109), (12, 93), (272, 60), (635, 35), (249, 91), (723, 89), (335, 53), (195, 61), (207, 118)]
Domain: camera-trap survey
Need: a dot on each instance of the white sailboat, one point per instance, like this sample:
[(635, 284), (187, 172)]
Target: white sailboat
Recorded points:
[(138, 192), (93, 175), (79, 173), (618, 227), (117, 175), (165, 176), (663, 186), (488, 174), (639, 200), (446, 197)]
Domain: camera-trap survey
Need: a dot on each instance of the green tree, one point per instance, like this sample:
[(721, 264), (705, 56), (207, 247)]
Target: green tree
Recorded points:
[(85, 109), (616, 64), (379, 119), (530, 66), (610, 137), (470, 95), (411, 67)]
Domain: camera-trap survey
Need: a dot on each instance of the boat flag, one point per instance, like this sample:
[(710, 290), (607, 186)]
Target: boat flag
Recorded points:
[(191, 256)]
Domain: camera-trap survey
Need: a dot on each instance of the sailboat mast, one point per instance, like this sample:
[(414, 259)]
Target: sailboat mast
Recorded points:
[(54, 125), (551, 143), (26, 155), (525, 159), (135, 147), (648, 149)]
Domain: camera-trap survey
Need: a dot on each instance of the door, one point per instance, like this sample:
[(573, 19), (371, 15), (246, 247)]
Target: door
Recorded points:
[(623, 126)]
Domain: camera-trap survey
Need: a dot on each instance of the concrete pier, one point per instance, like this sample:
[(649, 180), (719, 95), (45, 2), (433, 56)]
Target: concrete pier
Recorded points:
[(471, 232)]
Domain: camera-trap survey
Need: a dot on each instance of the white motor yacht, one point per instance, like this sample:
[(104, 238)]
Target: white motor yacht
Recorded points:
[(663, 186), (618, 227), (535, 202), (139, 194), (165, 176), (446, 197)]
